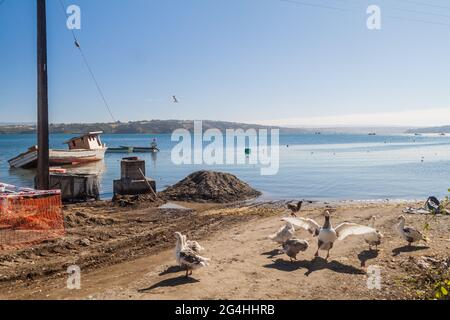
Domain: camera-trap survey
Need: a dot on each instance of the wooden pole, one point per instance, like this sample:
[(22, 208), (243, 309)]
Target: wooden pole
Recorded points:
[(42, 99), (148, 184)]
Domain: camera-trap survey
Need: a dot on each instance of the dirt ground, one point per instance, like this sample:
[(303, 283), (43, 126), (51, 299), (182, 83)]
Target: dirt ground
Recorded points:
[(130, 255)]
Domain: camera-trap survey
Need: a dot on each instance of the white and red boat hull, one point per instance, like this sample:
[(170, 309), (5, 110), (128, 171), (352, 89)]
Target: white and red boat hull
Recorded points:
[(58, 157)]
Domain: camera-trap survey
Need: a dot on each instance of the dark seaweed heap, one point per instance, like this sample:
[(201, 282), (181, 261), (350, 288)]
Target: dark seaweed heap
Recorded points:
[(210, 186)]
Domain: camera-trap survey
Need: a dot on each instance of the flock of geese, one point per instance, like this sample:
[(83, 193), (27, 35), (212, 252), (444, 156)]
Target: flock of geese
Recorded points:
[(327, 234), (188, 256)]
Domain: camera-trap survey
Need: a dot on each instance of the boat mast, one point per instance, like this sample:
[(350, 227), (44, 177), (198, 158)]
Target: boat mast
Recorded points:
[(42, 99)]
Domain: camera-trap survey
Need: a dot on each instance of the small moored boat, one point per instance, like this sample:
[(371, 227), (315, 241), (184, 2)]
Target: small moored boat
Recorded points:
[(142, 149), (122, 149), (152, 149)]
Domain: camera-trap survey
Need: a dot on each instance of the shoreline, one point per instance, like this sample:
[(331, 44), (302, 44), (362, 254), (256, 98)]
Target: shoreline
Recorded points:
[(127, 247)]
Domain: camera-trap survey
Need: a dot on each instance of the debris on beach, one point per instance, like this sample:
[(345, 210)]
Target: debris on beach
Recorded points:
[(99, 234), (134, 188), (133, 180), (210, 186), (149, 200), (430, 277), (431, 206)]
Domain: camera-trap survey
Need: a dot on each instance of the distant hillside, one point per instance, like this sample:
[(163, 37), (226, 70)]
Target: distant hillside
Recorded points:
[(443, 129), (149, 127), (365, 130)]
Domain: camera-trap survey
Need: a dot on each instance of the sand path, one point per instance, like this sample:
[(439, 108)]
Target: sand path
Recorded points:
[(245, 265)]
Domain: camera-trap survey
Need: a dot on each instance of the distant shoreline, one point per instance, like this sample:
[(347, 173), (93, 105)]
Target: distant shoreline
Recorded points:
[(168, 126), (138, 127)]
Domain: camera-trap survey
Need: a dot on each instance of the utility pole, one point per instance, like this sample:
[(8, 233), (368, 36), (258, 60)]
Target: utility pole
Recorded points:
[(42, 99)]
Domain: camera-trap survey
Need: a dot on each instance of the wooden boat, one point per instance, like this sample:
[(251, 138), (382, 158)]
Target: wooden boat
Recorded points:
[(83, 149)]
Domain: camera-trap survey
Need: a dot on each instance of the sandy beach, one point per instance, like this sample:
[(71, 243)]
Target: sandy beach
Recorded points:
[(128, 253)]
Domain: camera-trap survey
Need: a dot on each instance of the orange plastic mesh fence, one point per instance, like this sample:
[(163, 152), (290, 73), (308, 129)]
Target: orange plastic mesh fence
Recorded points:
[(29, 218)]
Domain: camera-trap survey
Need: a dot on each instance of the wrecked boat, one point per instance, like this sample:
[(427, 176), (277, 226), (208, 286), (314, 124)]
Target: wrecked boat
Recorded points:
[(82, 149)]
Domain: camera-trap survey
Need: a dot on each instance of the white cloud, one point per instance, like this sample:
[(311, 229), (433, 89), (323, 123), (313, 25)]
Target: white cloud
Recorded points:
[(414, 118)]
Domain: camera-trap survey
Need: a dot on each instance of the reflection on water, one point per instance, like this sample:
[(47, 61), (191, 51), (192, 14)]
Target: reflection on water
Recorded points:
[(25, 177), (97, 167), (154, 157)]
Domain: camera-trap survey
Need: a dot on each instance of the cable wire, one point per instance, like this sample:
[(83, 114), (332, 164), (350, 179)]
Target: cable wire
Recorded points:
[(302, 3), (88, 66), (419, 3)]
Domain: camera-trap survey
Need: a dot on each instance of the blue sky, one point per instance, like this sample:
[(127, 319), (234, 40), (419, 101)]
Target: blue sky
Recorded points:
[(265, 61)]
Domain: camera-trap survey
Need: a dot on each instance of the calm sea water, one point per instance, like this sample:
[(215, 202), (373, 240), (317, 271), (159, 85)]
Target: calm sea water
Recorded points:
[(316, 167)]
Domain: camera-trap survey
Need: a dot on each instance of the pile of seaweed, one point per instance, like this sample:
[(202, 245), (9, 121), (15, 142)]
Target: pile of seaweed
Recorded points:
[(210, 186), (138, 200)]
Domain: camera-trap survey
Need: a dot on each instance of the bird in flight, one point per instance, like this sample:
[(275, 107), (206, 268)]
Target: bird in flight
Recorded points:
[(175, 100)]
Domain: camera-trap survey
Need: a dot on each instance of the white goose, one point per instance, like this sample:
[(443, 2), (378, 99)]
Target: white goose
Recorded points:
[(410, 234), (373, 238), (188, 258), (327, 234), (284, 234)]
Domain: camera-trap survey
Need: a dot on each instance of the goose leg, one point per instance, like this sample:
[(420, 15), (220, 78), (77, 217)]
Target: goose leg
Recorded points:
[(319, 244), (187, 273), (328, 253)]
